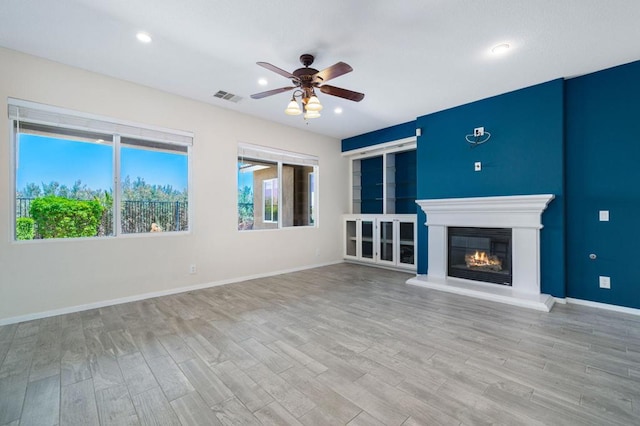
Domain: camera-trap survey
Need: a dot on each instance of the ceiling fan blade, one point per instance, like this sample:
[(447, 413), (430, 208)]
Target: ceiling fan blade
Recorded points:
[(277, 70), (335, 70), (342, 93), (271, 92)]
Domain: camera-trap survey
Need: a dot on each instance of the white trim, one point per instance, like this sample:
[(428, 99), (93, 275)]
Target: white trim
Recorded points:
[(116, 216), (605, 306), (277, 196), (258, 152), (405, 144), (135, 298), (33, 112), (11, 194), (388, 266), (517, 211)]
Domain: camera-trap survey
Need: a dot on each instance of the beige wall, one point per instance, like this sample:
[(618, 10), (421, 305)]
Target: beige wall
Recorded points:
[(43, 276)]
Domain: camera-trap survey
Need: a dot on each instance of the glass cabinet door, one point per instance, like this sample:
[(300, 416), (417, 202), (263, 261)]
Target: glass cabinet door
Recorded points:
[(386, 241), (367, 239), (407, 243), (351, 247)]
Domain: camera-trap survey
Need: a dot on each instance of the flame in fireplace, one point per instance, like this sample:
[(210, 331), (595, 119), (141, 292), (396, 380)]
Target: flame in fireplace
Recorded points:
[(481, 260)]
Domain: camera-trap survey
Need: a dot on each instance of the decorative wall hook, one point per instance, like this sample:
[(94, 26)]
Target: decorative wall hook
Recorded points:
[(478, 137)]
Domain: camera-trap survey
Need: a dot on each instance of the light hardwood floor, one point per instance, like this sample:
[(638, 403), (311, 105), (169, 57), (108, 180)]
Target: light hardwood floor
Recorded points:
[(344, 344)]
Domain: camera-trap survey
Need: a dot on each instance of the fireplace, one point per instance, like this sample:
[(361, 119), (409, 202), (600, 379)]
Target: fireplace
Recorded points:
[(480, 254), (518, 216)]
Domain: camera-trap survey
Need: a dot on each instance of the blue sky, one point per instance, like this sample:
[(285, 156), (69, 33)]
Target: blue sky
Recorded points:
[(245, 179), (43, 159)]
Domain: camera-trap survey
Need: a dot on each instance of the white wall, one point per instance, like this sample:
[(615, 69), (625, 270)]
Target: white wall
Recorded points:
[(42, 276)]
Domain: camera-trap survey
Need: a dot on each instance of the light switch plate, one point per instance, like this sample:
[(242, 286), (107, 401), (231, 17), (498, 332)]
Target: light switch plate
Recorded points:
[(477, 166), (604, 215)]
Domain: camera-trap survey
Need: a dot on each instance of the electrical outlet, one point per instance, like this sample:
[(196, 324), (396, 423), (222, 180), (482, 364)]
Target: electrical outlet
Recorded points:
[(478, 131), (603, 215), (192, 269), (605, 282), (477, 166)]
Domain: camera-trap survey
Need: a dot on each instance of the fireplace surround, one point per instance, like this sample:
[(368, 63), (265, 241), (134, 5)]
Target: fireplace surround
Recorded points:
[(521, 214)]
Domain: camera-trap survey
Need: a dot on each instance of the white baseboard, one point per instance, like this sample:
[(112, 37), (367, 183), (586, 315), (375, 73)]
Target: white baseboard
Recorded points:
[(137, 297), (606, 306)]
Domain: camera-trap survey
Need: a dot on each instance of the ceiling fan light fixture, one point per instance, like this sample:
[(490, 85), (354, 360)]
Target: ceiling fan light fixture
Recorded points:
[(313, 104), (293, 108), (304, 81)]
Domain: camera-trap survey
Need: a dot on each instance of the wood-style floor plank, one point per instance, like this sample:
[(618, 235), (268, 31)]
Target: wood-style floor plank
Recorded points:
[(170, 377), (338, 345), (42, 403), (192, 410), (78, 404), (12, 392), (115, 407), (154, 409)]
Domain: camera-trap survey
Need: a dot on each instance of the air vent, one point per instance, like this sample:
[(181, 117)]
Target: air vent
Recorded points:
[(227, 96)]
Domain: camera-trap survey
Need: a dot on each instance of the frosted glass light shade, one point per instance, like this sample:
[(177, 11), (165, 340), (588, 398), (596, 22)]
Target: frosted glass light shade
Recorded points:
[(293, 108), (311, 114), (313, 104)]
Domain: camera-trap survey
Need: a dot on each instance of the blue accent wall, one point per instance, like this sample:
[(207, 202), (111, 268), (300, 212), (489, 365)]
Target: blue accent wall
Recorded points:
[(525, 155), (393, 133), (576, 139), (603, 173)]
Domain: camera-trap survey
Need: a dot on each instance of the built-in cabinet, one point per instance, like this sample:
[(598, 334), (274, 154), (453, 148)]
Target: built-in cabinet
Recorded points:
[(381, 228), (386, 240)]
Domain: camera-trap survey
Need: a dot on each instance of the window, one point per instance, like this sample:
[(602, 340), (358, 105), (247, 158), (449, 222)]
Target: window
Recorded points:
[(276, 188), (156, 199), (270, 197), (66, 165)]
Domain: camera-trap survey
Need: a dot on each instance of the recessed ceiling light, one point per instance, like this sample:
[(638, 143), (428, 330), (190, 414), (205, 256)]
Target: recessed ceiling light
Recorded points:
[(500, 48), (263, 82), (143, 37), (338, 110)]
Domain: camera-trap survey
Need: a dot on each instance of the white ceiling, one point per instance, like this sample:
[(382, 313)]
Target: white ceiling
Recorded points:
[(410, 57)]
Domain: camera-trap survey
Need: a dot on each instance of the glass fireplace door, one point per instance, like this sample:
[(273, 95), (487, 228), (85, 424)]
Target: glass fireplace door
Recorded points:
[(480, 254)]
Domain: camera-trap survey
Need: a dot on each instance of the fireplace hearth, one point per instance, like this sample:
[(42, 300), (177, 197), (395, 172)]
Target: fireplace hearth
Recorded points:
[(480, 254)]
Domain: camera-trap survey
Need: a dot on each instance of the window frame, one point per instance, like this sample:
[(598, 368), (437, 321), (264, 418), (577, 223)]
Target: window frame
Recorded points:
[(22, 111), (273, 182), (312, 188), (281, 158)]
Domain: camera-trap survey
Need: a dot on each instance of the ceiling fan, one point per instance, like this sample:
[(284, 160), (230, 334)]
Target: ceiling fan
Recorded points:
[(305, 80)]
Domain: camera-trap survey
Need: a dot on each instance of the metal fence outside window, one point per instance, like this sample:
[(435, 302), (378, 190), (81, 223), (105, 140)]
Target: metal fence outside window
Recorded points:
[(137, 216)]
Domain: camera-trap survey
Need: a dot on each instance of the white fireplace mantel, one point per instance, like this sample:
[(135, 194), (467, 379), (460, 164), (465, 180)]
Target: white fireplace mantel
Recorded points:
[(521, 213)]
